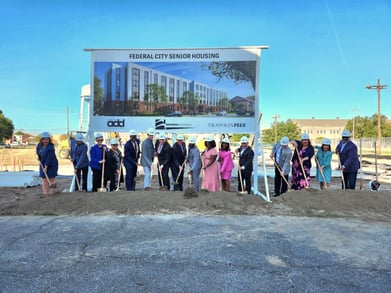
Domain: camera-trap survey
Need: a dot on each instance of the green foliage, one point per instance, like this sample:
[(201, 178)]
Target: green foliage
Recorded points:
[(238, 71), (157, 94), (98, 97), (280, 129), (236, 137), (6, 127), (367, 126)]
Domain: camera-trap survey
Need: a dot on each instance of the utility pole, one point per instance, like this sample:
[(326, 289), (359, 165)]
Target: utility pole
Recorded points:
[(378, 87), (275, 117)]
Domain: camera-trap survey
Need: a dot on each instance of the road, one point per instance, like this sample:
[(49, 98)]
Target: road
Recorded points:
[(185, 253)]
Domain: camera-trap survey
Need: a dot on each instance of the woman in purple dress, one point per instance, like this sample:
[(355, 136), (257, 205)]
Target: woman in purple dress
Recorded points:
[(301, 162)]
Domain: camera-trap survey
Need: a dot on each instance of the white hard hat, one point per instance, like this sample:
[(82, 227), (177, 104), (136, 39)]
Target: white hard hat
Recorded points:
[(45, 134), (179, 137), (98, 135), (326, 141), (192, 140), (162, 135), (244, 139), (305, 136), (345, 133), (209, 138), (113, 141), (151, 131), (225, 140), (79, 137), (284, 140), (132, 132)]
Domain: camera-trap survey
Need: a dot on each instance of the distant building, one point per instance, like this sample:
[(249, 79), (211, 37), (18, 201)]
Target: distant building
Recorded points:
[(321, 128)]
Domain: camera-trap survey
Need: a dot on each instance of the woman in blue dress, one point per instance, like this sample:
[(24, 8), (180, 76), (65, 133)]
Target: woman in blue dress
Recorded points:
[(48, 163), (323, 157)]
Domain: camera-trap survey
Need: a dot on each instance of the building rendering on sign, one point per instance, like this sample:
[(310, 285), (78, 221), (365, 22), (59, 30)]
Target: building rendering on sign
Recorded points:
[(132, 88)]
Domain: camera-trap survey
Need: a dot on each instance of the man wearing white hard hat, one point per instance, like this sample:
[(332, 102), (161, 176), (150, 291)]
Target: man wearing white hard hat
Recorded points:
[(131, 156), (246, 157), (349, 162), (147, 156), (281, 155), (79, 158), (323, 159), (195, 163), (97, 159), (179, 154), (164, 152)]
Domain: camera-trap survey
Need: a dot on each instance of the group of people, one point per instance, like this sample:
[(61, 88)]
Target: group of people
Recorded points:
[(301, 156), (107, 163)]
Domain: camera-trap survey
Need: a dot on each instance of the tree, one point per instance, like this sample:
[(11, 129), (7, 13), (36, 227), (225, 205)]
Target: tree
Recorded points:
[(288, 128), (238, 71), (157, 94), (98, 97), (367, 126), (6, 127)]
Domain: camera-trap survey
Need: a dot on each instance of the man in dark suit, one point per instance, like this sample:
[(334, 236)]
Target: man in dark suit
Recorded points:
[(347, 152), (246, 157), (132, 154), (164, 153), (179, 154)]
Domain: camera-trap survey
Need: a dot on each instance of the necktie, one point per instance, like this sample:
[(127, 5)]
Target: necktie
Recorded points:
[(159, 148), (278, 156), (135, 148)]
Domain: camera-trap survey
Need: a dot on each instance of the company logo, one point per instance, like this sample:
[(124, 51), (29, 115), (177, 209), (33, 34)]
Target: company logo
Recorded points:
[(116, 123)]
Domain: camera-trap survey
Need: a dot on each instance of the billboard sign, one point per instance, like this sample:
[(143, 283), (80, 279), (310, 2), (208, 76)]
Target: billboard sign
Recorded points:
[(206, 90)]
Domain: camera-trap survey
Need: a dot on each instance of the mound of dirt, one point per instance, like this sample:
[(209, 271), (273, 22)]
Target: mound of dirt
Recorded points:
[(360, 204)]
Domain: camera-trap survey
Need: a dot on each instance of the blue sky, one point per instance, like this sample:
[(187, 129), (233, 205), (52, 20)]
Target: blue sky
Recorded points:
[(322, 52)]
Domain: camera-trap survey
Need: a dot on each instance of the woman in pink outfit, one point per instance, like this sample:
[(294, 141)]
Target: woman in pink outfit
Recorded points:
[(226, 164), (211, 180)]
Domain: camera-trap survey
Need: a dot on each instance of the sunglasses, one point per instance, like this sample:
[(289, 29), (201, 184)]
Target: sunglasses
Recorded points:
[(99, 140), (114, 144)]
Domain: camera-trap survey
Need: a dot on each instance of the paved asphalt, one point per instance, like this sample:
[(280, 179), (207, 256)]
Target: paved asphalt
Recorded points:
[(185, 253)]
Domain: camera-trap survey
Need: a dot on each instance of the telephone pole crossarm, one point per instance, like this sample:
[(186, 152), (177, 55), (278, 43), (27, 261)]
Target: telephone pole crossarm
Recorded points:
[(378, 87)]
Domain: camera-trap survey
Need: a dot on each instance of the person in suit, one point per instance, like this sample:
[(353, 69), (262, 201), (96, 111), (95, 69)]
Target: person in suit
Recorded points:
[(246, 157), (195, 164), (282, 155), (79, 158), (147, 156), (97, 159), (323, 157), (48, 163), (349, 162), (114, 165), (164, 155), (131, 156), (179, 154)]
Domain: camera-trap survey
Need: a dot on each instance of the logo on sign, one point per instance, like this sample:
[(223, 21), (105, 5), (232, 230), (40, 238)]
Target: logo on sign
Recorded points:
[(116, 123)]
